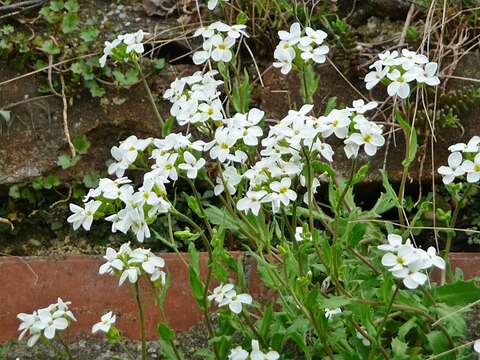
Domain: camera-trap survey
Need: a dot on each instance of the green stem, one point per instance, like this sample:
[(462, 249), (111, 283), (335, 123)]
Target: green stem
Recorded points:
[(65, 346), (150, 96), (385, 317), (347, 186), (142, 321), (451, 224)]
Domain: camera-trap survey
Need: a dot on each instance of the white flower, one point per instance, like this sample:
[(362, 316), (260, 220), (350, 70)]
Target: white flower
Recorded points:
[(301, 235), (292, 37), (330, 313), (219, 292), (284, 61), (454, 168), (410, 58), (83, 216), (282, 191), (399, 85), (375, 76), (476, 346), (257, 354), (49, 323), (238, 354), (313, 36), (231, 179), (106, 322), (471, 146), (369, 138), (428, 74), (389, 58), (148, 261), (221, 48), (252, 201), (360, 107), (337, 122), (401, 259), (472, 168), (191, 165), (318, 54), (132, 274), (434, 259), (113, 262), (411, 275), (235, 301), (395, 242), (224, 141), (365, 341)]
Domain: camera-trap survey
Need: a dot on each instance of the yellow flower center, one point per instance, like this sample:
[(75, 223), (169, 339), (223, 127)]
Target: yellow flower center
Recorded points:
[(367, 138)]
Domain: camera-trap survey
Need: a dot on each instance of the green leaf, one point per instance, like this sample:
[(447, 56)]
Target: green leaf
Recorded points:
[(383, 204), (165, 332), (266, 320), (334, 302), (50, 48), (51, 181), (193, 204), (331, 104), (56, 5), (438, 343), (158, 64), (411, 138), (70, 22), (221, 217), (14, 192), (71, 5), (355, 233), (89, 34), (194, 276), (91, 180), (360, 175), (95, 89), (399, 349), (37, 183), (65, 161), (81, 144), (167, 126), (390, 192), (321, 167), (460, 293), (406, 327), (127, 79)]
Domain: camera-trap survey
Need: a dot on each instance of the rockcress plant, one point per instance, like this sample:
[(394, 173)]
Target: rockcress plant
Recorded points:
[(332, 297)]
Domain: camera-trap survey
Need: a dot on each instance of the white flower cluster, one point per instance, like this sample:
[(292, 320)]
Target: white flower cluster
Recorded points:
[(135, 209), (45, 322), (132, 42), (271, 177), (408, 263), (234, 136), (195, 99), (225, 295), (218, 42), (464, 159), (398, 71), (239, 353), (132, 264), (308, 45)]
